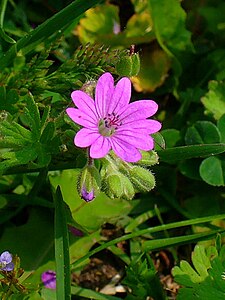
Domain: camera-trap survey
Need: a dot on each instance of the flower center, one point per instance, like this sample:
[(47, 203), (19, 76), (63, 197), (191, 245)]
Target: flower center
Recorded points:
[(3, 264), (108, 125)]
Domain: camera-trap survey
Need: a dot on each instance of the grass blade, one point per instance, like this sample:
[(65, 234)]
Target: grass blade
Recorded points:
[(89, 294), (148, 231), (178, 240), (61, 249), (58, 22), (187, 152)]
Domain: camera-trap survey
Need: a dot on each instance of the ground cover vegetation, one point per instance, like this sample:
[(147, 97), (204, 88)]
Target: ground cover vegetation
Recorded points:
[(112, 141)]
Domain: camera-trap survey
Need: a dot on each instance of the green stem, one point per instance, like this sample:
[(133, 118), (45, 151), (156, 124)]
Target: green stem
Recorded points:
[(22, 169), (38, 183), (2, 11), (148, 230)]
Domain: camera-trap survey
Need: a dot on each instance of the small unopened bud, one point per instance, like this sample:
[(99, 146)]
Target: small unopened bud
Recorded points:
[(87, 196), (142, 179), (124, 66), (89, 87), (119, 186), (148, 158), (89, 183), (135, 58), (128, 65), (75, 231)]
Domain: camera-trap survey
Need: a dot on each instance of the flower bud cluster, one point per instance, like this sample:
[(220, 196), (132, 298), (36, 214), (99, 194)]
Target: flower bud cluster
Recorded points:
[(117, 178), (123, 180)]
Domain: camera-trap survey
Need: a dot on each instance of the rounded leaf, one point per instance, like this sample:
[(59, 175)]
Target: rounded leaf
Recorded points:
[(212, 171), (202, 132)]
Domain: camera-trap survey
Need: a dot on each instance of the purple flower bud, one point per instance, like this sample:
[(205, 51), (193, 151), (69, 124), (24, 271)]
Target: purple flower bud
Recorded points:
[(6, 263), (87, 196), (89, 183), (75, 231), (49, 279)]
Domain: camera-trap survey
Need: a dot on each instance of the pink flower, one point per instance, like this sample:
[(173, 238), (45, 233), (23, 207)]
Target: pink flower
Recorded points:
[(110, 122)]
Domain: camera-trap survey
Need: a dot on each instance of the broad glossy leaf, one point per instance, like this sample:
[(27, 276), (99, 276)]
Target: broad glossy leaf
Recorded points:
[(202, 132), (37, 248), (170, 29), (190, 168), (93, 214), (171, 137), (169, 23), (212, 171), (154, 69), (102, 25), (98, 23), (214, 99), (48, 294), (139, 6), (221, 127), (139, 27), (82, 245)]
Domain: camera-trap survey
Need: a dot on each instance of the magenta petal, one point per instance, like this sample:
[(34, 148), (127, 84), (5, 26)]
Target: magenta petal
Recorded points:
[(125, 151), (143, 126), (49, 279), (81, 118), (85, 103), (103, 93), (139, 110), (121, 96), (100, 147), (136, 139), (85, 137)]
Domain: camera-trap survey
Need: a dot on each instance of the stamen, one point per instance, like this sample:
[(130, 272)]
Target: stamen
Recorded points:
[(108, 125)]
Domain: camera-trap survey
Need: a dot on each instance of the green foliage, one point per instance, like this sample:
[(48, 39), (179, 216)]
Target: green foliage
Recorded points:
[(174, 39), (141, 277), (58, 22), (96, 210), (61, 249), (205, 279), (22, 146), (173, 52), (102, 24), (205, 132), (214, 101)]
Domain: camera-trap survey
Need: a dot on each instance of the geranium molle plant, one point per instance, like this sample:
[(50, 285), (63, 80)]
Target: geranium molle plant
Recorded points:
[(112, 123)]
